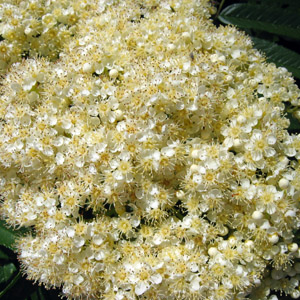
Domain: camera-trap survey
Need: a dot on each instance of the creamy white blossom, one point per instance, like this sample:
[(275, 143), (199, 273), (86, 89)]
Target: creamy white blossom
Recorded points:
[(153, 158)]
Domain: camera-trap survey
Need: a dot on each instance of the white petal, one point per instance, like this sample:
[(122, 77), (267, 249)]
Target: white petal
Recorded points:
[(70, 232), (236, 53), (140, 288), (59, 158), (269, 152), (78, 241), (118, 175), (28, 84), (271, 139), (168, 151), (257, 135), (197, 179), (290, 151), (156, 278), (256, 155), (195, 286), (100, 255), (39, 201), (58, 259), (212, 164), (78, 279), (98, 239)]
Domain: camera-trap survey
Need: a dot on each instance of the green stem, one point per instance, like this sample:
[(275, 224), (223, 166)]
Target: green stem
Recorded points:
[(219, 8), (10, 285)]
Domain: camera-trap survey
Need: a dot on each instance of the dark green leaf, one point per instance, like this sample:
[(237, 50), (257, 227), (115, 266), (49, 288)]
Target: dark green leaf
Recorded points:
[(274, 20), (294, 124), (40, 293), (9, 286), (7, 236), (279, 55), (37, 294), (6, 272), (34, 295), (279, 3), (5, 254)]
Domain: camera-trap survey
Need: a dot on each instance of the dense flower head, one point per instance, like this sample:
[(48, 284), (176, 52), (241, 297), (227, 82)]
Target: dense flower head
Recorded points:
[(152, 159), (37, 27)]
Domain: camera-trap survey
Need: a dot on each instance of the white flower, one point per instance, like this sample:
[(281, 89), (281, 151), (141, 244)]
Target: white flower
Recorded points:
[(259, 145)]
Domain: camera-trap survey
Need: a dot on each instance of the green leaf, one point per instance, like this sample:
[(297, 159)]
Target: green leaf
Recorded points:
[(279, 55), (279, 3), (273, 19), (37, 294), (40, 293), (5, 255), (10, 285), (6, 272), (7, 236), (294, 124)]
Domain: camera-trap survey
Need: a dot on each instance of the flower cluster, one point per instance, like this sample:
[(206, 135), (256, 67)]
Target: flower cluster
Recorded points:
[(35, 27), (153, 159)]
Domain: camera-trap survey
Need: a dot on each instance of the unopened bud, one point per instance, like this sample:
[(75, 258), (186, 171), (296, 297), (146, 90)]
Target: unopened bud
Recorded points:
[(180, 194), (212, 251), (293, 247), (274, 238), (113, 73), (257, 215), (283, 183)]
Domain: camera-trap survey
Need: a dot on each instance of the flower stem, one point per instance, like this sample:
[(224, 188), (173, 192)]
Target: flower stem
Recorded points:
[(219, 8), (10, 285)]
